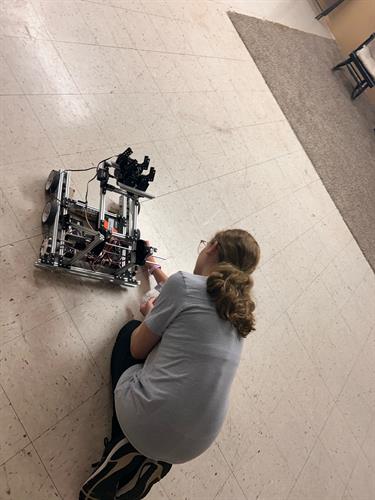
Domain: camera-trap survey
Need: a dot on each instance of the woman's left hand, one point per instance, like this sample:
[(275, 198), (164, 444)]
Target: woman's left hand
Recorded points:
[(146, 307)]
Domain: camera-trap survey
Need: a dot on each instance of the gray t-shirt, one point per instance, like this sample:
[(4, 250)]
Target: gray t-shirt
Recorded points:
[(173, 406)]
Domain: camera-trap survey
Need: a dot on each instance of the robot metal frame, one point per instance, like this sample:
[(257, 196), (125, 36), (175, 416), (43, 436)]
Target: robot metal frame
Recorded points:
[(95, 242)]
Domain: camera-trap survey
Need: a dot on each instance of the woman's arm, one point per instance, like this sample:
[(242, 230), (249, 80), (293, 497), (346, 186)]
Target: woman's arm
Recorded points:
[(157, 273), (168, 305), (142, 341)]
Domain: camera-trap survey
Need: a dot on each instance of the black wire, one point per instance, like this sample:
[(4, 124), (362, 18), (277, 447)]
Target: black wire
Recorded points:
[(79, 169), (88, 182), (96, 168), (89, 168), (86, 200), (87, 188)]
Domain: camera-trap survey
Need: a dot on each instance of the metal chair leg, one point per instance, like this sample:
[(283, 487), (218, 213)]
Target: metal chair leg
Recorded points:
[(340, 65), (361, 87)]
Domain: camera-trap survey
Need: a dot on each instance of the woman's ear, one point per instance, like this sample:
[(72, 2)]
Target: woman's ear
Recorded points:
[(212, 248)]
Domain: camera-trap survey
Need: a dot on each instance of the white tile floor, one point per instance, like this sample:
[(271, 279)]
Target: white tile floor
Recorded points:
[(79, 81)]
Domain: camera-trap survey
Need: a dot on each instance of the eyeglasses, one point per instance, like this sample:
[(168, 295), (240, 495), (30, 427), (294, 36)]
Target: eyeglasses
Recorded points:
[(202, 245)]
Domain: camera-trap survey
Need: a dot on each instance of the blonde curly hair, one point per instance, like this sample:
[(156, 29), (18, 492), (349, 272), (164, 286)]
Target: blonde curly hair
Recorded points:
[(230, 282)]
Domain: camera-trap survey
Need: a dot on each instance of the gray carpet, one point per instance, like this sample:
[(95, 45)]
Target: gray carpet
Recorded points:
[(336, 133)]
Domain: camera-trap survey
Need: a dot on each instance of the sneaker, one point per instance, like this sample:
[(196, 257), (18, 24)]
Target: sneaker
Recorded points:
[(137, 487), (119, 459)]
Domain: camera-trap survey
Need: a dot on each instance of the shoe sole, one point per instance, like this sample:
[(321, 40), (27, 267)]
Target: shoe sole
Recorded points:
[(102, 483)]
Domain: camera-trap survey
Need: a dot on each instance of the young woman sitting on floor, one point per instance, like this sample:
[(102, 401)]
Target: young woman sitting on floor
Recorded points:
[(172, 373)]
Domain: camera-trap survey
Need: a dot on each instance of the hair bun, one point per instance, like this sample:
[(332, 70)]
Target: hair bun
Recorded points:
[(230, 288)]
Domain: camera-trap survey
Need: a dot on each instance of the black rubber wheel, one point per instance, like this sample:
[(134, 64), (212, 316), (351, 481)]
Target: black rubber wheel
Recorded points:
[(141, 253), (52, 181), (49, 212)]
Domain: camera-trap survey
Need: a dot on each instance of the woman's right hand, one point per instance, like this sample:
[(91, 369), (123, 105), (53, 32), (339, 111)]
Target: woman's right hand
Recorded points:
[(146, 307)]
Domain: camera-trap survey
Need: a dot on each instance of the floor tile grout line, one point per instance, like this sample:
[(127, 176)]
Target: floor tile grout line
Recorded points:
[(66, 69), (69, 73), (221, 176), (361, 445), (20, 82), (285, 196), (74, 409), (350, 329), (141, 55), (323, 269), (15, 241), (22, 93), (318, 221), (50, 429), (129, 9), (142, 92), (317, 372), (171, 17), (335, 406), (43, 129), (52, 40), (41, 462), (285, 312), (304, 465), (263, 420), (99, 45), (178, 121), (3, 165), (242, 218), (140, 51), (71, 76), (230, 469), (95, 364), (17, 219), (347, 378), (300, 339), (183, 189), (175, 22), (45, 468), (295, 478), (333, 399), (99, 126), (201, 183), (24, 333), (318, 276), (68, 311), (19, 420), (332, 405), (30, 443), (47, 133)]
